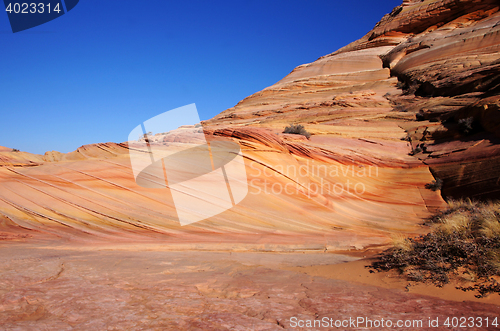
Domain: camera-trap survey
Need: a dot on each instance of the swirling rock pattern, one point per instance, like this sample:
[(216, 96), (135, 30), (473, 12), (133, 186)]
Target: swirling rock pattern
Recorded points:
[(435, 61), (84, 247)]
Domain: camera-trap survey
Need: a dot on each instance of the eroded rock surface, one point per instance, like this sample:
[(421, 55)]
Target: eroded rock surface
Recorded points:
[(75, 289), (85, 248)]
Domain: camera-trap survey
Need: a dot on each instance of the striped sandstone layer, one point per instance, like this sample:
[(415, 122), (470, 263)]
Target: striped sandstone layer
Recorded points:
[(353, 184)]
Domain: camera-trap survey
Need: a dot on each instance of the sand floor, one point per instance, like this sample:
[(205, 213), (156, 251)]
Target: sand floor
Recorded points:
[(77, 288)]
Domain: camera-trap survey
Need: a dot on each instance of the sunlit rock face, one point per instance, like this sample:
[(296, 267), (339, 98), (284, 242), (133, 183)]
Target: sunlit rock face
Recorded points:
[(311, 201), (416, 78), (429, 68)]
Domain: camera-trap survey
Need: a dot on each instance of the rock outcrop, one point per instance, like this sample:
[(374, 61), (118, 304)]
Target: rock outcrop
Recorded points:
[(445, 56), (416, 98)]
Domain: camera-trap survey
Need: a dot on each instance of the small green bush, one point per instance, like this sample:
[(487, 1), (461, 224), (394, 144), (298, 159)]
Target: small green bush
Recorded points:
[(297, 129)]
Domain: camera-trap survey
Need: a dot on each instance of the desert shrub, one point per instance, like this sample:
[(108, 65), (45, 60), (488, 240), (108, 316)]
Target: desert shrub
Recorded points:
[(297, 129), (435, 184), (465, 125), (464, 244), (15, 150)]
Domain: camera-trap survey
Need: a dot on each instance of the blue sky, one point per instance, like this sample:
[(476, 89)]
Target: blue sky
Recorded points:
[(95, 73)]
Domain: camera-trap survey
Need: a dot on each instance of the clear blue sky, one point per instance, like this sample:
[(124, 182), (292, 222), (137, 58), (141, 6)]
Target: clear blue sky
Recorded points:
[(95, 73)]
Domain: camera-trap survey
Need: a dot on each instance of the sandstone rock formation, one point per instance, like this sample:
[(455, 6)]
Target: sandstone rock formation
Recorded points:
[(412, 83), (416, 99), (445, 56)]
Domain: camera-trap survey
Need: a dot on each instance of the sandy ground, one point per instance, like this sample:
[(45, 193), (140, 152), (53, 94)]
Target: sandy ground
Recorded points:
[(77, 288), (357, 271)]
